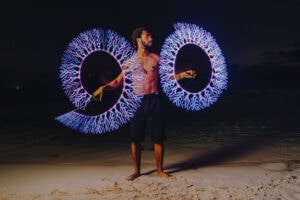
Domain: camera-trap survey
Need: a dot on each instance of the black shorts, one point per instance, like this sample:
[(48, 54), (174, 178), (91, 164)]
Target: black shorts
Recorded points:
[(149, 116)]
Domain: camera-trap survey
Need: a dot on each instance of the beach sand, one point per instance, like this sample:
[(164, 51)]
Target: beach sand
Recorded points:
[(238, 154), (69, 165), (73, 181)]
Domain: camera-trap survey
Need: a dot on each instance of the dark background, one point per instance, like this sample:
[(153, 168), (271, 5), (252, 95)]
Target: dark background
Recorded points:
[(260, 41)]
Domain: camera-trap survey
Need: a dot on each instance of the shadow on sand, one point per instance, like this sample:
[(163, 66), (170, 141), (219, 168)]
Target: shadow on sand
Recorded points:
[(221, 155)]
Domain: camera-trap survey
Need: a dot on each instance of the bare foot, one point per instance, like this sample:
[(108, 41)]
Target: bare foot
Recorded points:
[(133, 176), (163, 175)]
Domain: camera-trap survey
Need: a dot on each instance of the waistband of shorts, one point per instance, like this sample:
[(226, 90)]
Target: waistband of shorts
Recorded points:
[(152, 94)]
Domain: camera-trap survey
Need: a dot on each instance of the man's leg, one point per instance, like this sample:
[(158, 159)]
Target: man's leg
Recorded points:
[(136, 149), (159, 156)]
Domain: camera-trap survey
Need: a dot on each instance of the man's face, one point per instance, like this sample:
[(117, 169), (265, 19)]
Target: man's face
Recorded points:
[(146, 39)]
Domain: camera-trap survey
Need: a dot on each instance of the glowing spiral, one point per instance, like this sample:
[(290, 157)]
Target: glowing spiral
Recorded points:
[(192, 34), (70, 73)]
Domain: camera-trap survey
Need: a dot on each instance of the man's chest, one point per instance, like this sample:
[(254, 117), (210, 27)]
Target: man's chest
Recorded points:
[(150, 66)]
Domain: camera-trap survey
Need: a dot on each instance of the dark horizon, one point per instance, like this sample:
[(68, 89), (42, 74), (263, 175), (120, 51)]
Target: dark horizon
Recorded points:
[(261, 50)]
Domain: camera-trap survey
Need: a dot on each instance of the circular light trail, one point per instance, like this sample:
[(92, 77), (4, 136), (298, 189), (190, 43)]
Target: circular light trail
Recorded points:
[(185, 34), (82, 46)]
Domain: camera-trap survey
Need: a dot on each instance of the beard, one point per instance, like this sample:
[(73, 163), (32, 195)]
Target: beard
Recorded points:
[(147, 46)]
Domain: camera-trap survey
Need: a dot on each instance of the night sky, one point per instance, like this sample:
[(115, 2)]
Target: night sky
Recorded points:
[(260, 40)]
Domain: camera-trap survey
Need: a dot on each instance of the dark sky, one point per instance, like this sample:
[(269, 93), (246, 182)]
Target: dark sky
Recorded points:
[(252, 34)]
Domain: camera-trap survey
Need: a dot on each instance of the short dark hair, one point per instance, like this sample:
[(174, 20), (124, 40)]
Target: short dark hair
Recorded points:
[(137, 33)]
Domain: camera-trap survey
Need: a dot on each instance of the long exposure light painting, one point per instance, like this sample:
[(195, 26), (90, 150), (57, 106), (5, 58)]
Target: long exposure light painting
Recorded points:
[(192, 34), (73, 57), (123, 110)]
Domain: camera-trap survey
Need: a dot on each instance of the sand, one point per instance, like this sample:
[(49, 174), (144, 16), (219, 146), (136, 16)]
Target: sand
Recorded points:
[(208, 157), (71, 181), (57, 164)]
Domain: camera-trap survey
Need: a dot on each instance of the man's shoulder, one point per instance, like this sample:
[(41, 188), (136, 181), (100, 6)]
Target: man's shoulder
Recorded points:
[(155, 56)]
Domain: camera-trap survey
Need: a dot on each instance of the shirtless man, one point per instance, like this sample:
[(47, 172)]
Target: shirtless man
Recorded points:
[(150, 110)]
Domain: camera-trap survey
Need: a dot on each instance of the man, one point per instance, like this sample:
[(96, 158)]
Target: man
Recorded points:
[(150, 110)]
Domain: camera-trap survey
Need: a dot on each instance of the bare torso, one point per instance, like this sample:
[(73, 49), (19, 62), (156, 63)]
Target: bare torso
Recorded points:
[(151, 73)]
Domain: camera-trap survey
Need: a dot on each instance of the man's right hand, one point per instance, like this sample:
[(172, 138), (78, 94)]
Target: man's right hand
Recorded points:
[(97, 95)]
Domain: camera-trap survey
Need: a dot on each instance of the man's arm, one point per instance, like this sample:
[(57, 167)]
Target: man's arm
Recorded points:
[(117, 82)]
